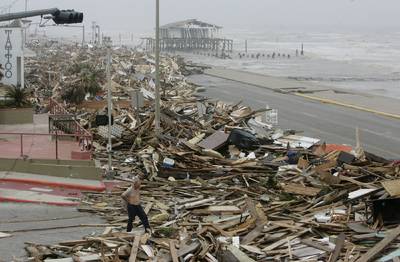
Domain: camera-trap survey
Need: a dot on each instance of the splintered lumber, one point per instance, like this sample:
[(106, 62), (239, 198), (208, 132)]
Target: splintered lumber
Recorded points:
[(253, 249), (148, 250), (134, 250), (391, 236), (219, 210), (392, 187), (185, 249), (338, 247), (3, 235), (390, 257), (198, 203), (86, 258), (172, 249), (315, 244), (359, 228), (283, 241), (253, 234), (239, 255), (301, 190), (306, 252)]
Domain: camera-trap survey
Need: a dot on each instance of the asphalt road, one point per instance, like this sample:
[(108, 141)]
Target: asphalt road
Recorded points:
[(333, 124), (26, 217)]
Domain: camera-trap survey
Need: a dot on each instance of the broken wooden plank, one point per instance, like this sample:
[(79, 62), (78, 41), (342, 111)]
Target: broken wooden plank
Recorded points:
[(134, 250), (148, 250), (253, 234), (300, 190), (185, 249), (197, 203), (359, 228), (391, 236), (174, 253), (283, 241), (219, 210), (214, 141), (239, 255), (307, 252), (339, 245), (390, 257), (315, 244), (3, 235), (86, 258), (392, 187), (253, 249)]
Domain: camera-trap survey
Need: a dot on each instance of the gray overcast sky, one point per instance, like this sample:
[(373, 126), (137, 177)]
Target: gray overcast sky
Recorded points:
[(138, 15)]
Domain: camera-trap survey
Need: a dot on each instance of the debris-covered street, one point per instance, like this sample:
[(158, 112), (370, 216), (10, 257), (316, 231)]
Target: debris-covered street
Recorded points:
[(220, 183)]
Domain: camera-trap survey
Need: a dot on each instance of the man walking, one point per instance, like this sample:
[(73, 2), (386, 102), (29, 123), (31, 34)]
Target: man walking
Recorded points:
[(132, 197)]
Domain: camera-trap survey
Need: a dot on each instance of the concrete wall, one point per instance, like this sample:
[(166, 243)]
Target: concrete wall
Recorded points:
[(58, 168), (13, 116)]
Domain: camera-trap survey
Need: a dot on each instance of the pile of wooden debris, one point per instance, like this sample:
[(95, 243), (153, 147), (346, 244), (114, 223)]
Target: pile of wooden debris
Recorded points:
[(223, 184)]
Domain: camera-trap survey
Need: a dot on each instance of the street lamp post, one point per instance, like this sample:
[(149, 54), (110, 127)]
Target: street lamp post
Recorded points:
[(157, 91)]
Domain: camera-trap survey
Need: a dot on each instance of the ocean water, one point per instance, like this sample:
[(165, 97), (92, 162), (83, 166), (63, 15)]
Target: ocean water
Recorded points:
[(363, 61)]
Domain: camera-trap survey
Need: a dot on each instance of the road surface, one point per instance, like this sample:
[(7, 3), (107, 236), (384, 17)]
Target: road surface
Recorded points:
[(334, 124)]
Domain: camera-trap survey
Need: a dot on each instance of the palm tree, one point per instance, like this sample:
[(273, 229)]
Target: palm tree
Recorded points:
[(1, 72), (18, 96), (90, 79)]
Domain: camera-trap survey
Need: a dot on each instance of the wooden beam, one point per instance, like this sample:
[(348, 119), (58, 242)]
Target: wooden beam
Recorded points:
[(239, 255), (283, 241), (174, 253), (391, 236), (339, 245), (134, 250), (253, 234), (316, 245)]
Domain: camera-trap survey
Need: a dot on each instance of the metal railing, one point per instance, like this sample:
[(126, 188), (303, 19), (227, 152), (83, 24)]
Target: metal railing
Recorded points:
[(57, 109), (85, 142), (73, 131)]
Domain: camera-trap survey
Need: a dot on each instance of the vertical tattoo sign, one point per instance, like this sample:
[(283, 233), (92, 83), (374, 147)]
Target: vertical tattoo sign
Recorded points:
[(8, 47)]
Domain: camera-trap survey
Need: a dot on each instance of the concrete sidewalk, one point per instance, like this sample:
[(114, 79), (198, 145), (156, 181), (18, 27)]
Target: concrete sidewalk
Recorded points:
[(40, 145), (27, 196), (380, 105), (81, 184)]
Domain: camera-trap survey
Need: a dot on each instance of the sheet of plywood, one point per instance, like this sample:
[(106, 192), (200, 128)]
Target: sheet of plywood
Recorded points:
[(392, 187), (300, 190), (214, 141)]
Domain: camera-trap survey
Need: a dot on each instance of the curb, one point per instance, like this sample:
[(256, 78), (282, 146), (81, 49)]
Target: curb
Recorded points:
[(239, 81), (55, 184), (333, 102), (17, 200)]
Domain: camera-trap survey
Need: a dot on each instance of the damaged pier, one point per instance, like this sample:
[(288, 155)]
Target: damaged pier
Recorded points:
[(190, 35)]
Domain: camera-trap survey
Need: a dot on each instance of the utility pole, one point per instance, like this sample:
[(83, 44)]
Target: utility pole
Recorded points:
[(109, 107), (157, 91), (83, 35), (26, 28)]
